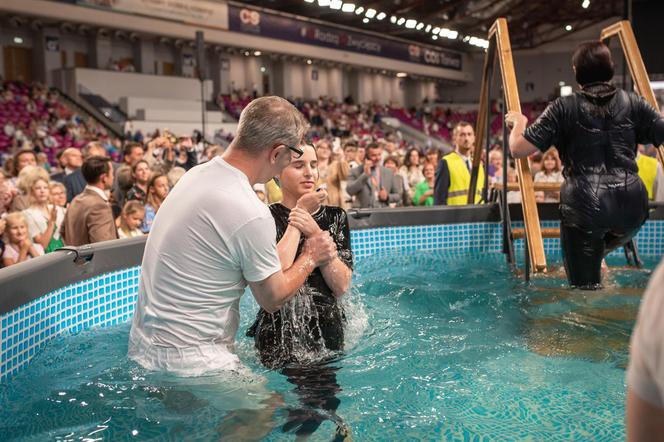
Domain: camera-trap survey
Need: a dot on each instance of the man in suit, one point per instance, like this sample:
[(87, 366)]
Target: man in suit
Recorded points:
[(371, 184), (89, 218), (71, 160), (75, 182)]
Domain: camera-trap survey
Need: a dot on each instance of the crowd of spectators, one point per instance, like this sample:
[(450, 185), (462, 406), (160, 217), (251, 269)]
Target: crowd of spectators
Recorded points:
[(65, 181)]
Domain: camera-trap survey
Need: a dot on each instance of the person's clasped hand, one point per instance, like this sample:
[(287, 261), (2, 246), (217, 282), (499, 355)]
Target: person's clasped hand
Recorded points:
[(303, 221), (321, 248), (311, 201)]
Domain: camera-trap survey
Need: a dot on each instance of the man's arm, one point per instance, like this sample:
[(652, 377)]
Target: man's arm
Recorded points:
[(441, 184), (272, 292), (356, 180)]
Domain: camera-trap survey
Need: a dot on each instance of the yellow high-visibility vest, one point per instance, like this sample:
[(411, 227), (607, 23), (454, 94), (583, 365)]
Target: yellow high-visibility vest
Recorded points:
[(457, 194), (647, 172)]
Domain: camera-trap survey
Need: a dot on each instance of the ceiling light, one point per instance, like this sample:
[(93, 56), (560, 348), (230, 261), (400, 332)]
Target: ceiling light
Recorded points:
[(568, 27), (434, 37), (18, 40), (401, 21), (428, 28), (381, 15), (263, 69), (359, 10), (466, 38), (393, 19), (402, 74), (371, 13), (257, 53), (348, 7), (410, 23), (309, 61), (335, 4), (419, 26), (436, 30), (444, 32), (308, 1), (585, 4), (323, 3), (246, 53), (365, 20), (452, 35)]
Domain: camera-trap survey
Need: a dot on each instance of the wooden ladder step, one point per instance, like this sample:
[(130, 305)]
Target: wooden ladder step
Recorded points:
[(548, 232)]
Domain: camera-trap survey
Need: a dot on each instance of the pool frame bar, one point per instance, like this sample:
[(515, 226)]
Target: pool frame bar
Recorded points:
[(73, 289)]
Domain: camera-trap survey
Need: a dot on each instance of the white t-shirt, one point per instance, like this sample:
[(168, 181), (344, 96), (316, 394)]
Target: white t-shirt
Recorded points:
[(645, 375), (210, 237), (38, 221)]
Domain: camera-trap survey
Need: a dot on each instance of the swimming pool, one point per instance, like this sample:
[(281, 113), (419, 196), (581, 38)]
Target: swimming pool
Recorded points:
[(441, 344)]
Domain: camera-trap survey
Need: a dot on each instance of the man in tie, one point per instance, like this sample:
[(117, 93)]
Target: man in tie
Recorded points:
[(453, 171)]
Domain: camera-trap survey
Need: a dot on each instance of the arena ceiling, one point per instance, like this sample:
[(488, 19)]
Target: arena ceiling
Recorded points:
[(531, 22)]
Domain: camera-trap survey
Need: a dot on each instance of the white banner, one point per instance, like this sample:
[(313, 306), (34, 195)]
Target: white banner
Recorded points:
[(198, 12)]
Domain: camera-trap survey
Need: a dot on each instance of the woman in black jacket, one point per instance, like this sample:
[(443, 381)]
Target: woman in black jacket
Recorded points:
[(603, 202)]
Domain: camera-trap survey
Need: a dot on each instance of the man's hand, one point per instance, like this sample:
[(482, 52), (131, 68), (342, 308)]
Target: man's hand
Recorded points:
[(311, 201), (383, 195), (321, 248), (368, 164), (302, 220)]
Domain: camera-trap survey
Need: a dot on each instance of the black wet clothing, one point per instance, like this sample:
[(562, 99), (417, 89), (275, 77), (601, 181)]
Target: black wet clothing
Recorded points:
[(277, 336), (292, 338), (603, 202)]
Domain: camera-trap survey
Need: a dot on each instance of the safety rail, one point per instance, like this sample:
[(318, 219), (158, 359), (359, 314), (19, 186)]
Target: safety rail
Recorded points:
[(499, 45), (623, 29)]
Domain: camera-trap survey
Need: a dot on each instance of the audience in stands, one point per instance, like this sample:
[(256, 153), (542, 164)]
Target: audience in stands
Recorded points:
[(157, 192), (141, 174), (453, 171), (423, 195), (130, 220), (392, 162), (18, 246), (75, 181), (371, 184), (552, 172), (412, 170), (89, 218), (58, 195), (44, 218)]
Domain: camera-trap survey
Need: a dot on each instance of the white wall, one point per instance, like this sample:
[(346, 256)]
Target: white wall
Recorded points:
[(113, 85)]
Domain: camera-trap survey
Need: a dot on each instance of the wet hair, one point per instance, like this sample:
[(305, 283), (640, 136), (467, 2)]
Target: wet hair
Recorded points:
[(94, 167), (593, 63)]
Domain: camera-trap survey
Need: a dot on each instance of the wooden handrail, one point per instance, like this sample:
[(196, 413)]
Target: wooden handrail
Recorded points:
[(623, 29), (499, 44), (537, 187)]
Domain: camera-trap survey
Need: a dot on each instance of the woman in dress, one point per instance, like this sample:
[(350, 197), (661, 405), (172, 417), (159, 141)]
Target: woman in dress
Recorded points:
[(303, 336)]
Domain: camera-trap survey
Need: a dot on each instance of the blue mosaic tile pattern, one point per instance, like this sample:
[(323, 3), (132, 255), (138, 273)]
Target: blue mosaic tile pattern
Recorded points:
[(101, 301), (476, 237), (649, 240), (109, 299)]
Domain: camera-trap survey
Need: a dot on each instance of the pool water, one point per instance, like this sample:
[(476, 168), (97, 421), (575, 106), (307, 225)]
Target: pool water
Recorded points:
[(439, 346)]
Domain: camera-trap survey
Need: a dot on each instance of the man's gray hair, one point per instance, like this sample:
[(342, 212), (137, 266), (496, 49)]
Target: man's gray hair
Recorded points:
[(268, 121)]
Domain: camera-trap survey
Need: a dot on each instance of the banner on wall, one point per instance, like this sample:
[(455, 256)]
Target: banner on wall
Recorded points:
[(199, 12), (269, 25)]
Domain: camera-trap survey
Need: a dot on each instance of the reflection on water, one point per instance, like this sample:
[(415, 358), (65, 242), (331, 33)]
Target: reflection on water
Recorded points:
[(591, 325)]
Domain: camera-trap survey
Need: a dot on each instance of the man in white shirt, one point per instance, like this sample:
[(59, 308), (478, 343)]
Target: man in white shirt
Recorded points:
[(211, 237), (645, 375)]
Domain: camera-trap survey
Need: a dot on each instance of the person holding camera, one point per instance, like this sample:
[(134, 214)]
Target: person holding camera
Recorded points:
[(371, 184)]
